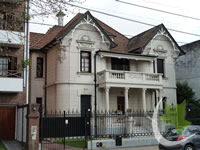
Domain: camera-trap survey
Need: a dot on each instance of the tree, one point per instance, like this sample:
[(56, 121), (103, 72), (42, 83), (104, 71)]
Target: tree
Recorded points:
[(46, 8), (15, 13), (184, 92)]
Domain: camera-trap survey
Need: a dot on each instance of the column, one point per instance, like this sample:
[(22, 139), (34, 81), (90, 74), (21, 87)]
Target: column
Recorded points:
[(157, 97), (155, 65), (107, 99), (144, 103), (126, 98), (153, 100), (160, 97)]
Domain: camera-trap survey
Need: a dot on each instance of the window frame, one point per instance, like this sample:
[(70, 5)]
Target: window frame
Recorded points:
[(83, 68), (41, 74)]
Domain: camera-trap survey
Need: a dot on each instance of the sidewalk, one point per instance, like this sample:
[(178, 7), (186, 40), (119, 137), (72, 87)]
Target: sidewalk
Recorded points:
[(134, 148), (13, 145), (140, 148)]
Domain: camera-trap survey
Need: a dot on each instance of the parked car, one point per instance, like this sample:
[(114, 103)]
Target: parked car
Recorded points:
[(190, 144)]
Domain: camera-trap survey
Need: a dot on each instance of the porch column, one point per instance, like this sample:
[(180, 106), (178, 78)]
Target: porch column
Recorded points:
[(144, 103), (160, 97), (126, 98), (155, 65), (107, 98), (157, 98), (153, 99)]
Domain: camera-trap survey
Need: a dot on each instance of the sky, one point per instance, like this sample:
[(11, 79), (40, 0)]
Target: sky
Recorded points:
[(129, 28)]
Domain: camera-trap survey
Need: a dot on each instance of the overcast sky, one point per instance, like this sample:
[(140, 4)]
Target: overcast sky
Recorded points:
[(183, 7)]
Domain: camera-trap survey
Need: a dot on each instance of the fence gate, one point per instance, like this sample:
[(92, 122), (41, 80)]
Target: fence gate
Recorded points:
[(64, 131), (21, 123)]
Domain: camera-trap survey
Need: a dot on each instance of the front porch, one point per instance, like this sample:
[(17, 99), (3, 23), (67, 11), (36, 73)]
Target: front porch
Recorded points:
[(115, 99)]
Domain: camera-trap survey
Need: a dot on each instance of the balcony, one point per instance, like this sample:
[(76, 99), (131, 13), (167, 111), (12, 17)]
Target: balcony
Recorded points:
[(11, 81), (11, 38), (115, 78)]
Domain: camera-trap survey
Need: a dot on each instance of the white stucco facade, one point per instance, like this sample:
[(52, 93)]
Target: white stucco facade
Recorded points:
[(141, 86)]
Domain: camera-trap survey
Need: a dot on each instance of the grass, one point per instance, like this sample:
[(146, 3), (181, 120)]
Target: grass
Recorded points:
[(80, 143), (2, 147)]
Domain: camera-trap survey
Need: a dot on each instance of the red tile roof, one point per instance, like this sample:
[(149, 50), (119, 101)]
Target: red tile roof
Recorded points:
[(34, 38), (124, 45), (56, 31)]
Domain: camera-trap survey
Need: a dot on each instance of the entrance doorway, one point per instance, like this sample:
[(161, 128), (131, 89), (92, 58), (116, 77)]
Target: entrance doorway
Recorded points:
[(85, 104), (121, 103)]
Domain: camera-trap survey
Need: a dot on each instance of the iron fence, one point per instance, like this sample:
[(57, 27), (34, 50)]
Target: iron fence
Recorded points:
[(71, 130)]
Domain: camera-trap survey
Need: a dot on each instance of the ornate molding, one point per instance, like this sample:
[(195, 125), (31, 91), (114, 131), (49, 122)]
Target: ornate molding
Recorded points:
[(63, 50)]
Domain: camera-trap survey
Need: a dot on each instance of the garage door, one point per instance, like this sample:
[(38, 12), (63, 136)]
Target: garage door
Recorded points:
[(7, 123)]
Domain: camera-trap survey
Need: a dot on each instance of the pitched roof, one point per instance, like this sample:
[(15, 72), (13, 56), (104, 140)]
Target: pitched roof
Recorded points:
[(34, 38), (48, 37), (58, 32), (121, 43), (75, 22), (119, 39), (139, 41)]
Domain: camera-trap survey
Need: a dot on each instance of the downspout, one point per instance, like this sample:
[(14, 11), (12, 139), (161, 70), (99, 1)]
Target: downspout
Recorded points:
[(27, 50), (95, 93), (45, 87)]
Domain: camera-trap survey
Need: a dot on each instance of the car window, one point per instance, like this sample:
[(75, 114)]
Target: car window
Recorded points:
[(190, 130)]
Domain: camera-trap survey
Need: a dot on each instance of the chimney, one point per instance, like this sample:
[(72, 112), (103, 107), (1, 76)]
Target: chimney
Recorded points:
[(60, 16)]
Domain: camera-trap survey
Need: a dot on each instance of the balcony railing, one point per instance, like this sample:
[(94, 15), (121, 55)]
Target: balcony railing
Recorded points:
[(113, 76), (11, 73)]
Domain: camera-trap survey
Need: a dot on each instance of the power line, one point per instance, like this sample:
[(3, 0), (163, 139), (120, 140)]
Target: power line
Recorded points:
[(123, 18), (92, 30), (167, 12)]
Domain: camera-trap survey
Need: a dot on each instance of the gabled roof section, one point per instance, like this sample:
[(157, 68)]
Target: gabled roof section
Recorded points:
[(34, 38), (48, 37), (77, 20), (120, 39), (138, 42)]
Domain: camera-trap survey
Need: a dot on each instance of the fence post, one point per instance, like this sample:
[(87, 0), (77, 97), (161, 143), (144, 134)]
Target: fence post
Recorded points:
[(33, 127), (64, 129)]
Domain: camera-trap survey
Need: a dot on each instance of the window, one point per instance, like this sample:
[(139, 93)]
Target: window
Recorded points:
[(39, 100), (120, 103), (160, 66), (4, 65), (85, 61), (120, 64), (39, 67)]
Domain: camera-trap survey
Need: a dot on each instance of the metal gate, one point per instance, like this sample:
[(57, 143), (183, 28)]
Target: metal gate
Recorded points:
[(64, 130)]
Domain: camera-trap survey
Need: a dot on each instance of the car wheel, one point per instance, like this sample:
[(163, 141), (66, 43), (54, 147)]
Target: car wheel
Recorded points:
[(189, 147)]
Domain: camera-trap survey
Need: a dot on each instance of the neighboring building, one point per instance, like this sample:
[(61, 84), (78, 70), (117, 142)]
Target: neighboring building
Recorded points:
[(131, 73), (12, 89), (188, 66)]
